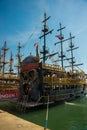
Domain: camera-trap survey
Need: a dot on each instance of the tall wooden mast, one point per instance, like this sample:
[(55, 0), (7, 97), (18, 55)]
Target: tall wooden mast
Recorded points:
[(4, 51), (19, 56), (0, 61), (11, 63), (72, 48), (62, 40), (45, 31)]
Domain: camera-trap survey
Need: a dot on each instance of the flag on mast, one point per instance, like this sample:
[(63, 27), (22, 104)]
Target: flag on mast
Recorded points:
[(60, 36)]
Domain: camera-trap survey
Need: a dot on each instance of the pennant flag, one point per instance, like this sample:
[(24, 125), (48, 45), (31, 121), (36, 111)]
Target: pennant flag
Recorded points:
[(60, 37)]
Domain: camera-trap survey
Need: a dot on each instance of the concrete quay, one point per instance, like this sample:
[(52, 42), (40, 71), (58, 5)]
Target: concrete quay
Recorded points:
[(12, 122)]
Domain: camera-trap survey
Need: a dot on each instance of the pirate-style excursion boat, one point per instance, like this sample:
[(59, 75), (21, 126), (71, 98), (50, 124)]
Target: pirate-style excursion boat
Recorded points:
[(39, 80), (9, 81)]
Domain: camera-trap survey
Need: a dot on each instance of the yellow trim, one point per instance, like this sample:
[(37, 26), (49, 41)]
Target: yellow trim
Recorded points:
[(52, 67)]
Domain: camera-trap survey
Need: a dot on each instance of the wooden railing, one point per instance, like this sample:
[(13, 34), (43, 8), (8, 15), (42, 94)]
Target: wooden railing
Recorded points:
[(56, 80)]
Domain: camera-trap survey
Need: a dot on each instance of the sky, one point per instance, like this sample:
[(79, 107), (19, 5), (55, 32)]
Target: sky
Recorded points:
[(21, 21)]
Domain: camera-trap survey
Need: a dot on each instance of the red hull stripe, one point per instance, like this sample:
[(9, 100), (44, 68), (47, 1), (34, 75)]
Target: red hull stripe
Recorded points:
[(8, 95)]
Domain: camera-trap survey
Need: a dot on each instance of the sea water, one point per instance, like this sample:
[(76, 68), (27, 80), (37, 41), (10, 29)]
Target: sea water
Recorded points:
[(67, 116)]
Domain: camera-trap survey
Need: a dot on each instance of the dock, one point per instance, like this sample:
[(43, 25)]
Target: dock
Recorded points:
[(12, 122)]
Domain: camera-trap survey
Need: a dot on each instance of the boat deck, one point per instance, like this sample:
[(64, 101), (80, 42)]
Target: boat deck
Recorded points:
[(11, 122)]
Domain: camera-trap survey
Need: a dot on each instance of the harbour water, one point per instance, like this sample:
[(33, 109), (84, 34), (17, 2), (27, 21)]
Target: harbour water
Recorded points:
[(68, 116)]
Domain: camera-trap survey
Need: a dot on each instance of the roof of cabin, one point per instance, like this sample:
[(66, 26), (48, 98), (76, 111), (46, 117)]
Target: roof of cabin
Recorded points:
[(30, 59)]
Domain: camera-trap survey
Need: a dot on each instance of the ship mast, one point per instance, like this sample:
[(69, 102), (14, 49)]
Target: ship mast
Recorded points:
[(62, 40), (72, 48), (11, 63), (0, 61), (45, 31), (19, 56), (4, 62)]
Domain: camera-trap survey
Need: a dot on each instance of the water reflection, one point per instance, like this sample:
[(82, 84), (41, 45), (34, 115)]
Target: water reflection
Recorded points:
[(75, 104)]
